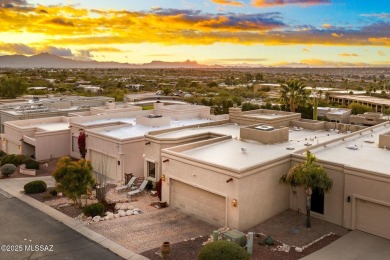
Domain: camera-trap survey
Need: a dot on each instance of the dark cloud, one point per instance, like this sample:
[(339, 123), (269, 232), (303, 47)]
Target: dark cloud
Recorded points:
[(12, 3), (61, 21), (17, 48), (58, 51), (269, 3)]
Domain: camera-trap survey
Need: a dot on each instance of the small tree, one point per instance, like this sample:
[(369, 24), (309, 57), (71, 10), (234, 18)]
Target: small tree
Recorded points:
[(73, 178), (357, 108), (308, 175), (82, 145)]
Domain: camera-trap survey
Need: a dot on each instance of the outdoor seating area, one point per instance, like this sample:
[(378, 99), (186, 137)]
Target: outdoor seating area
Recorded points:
[(138, 190), (126, 186)]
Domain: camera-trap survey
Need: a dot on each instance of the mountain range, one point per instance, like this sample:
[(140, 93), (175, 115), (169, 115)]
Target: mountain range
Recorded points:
[(46, 60)]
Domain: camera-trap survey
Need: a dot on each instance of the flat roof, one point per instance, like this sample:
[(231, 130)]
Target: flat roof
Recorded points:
[(266, 116), (52, 126), (127, 120), (140, 130), (228, 153), (226, 129), (368, 156), (376, 100)]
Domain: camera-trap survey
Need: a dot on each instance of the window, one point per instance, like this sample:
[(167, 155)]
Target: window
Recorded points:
[(75, 145), (151, 169)]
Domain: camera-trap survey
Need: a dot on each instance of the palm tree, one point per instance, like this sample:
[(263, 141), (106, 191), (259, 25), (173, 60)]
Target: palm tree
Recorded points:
[(293, 93), (309, 175)]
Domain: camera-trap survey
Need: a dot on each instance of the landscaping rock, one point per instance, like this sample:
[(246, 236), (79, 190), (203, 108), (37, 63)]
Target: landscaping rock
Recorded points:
[(96, 219), (106, 218), (116, 216), (298, 249), (89, 218), (124, 207), (130, 207), (117, 206), (129, 212), (121, 213)]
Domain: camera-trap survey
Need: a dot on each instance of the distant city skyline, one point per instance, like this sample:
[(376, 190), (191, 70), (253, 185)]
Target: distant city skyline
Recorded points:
[(225, 32)]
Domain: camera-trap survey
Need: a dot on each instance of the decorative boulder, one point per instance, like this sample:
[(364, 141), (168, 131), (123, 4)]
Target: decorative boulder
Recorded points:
[(121, 213), (96, 219), (129, 212)]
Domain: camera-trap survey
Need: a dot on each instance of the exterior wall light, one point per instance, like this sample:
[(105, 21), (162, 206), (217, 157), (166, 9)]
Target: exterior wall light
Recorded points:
[(20, 147), (4, 140), (166, 160), (147, 143), (163, 177), (349, 199), (234, 203)]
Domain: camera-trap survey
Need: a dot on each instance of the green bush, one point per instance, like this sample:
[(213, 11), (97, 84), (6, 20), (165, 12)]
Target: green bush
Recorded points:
[(8, 169), (53, 192), (21, 158), (9, 159), (35, 187), (94, 209), (2, 153), (149, 185), (31, 164), (222, 250)]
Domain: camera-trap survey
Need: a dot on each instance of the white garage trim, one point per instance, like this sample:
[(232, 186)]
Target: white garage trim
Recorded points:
[(103, 164), (371, 216), (207, 205)]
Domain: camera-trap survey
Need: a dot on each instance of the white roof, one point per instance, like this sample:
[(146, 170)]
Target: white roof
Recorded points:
[(140, 130), (368, 156), (228, 153)]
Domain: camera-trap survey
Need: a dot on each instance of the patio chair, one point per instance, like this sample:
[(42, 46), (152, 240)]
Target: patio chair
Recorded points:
[(139, 190), (127, 186)]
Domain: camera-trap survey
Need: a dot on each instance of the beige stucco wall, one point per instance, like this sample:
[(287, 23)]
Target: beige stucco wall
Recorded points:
[(366, 186), (43, 151), (277, 135), (333, 200), (313, 125), (261, 197), (257, 192)]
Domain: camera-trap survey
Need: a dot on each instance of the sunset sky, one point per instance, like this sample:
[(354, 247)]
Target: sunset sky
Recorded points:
[(261, 32)]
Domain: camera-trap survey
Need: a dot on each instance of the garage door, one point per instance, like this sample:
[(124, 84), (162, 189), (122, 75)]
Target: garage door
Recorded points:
[(205, 205), (12, 148), (104, 164), (373, 218)]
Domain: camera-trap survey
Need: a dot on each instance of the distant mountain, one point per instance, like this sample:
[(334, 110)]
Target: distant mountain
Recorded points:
[(46, 60)]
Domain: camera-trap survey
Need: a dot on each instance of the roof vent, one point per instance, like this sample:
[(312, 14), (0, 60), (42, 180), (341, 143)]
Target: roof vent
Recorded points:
[(265, 128), (352, 147)]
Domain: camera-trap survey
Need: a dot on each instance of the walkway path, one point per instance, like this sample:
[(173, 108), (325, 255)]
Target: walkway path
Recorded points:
[(12, 187)]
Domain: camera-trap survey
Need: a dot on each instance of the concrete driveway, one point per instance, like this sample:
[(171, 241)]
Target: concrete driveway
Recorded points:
[(354, 245)]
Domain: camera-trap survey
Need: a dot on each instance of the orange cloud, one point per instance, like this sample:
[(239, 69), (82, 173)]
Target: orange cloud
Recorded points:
[(322, 63), (348, 55), (327, 26), (272, 3), (227, 2)]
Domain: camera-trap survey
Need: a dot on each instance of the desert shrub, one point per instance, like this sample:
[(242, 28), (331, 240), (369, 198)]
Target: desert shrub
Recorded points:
[(31, 164), (9, 159), (149, 185), (35, 187), (268, 241), (94, 209), (8, 169), (222, 250), (21, 158), (53, 192), (2, 153)]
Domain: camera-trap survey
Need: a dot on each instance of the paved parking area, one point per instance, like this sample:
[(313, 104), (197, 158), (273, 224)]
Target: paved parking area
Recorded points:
[(355, 245), (149, 230)]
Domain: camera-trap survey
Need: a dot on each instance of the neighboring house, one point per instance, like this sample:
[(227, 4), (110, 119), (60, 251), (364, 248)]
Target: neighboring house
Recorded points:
[(47, 107), (90, 88), (377, 104), (339, 115), (134, 86), (233, 181)]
